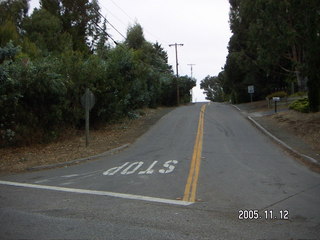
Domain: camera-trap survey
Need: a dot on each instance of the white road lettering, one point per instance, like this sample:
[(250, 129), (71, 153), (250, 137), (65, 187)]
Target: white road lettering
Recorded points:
[(70, 176), (169, 167), (114, 170), (149, 170), (131, 168), (127, 172)]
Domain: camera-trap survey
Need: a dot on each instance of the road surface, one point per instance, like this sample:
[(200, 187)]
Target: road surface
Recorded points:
[(201, 172)]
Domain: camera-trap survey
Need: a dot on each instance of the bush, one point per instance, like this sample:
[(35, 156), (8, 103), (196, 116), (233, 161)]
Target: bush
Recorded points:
[(301, 105), (299, 94), (281, 94)]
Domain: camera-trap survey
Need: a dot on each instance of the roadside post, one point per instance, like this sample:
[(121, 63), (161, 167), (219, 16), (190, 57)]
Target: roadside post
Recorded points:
[(251, 91), (87, 101), (275, 99)]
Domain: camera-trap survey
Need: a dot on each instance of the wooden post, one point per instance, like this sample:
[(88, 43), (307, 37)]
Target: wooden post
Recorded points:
[(87, 109)]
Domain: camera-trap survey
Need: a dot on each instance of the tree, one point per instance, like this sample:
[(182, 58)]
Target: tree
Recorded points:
[(15, 11), (8, 31), (185, 85), (213, 88), (79, 18), (135, 38), (12, 14), (271, 47), (312, 54), (101, 47), (45, 30)]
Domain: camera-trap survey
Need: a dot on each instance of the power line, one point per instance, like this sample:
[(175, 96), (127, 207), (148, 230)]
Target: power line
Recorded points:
[(110, 24), (122, 10), (146, 30), (105, 33), (158, 69), (122, 22)]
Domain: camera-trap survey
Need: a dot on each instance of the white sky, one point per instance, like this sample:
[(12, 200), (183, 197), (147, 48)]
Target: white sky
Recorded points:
[(201, 25)]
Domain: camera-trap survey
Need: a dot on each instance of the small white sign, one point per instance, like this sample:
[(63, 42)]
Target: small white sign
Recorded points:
[(251, 89), (276, 99)]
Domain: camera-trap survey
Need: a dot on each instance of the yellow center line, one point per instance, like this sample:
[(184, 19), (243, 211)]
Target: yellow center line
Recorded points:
[(192, 181)]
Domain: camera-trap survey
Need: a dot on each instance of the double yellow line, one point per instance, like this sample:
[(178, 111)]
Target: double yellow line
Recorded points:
[(191, 186)]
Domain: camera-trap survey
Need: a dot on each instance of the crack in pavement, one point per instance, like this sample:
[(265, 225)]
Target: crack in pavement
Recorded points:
[(293, 195)]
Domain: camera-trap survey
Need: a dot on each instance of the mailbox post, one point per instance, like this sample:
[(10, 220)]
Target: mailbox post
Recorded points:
[(275, 99)]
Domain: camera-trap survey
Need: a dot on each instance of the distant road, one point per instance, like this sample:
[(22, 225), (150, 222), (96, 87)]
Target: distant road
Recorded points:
[(201, 172)]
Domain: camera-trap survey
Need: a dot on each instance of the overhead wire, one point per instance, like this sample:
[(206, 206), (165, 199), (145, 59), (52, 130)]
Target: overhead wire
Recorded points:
[(145, 29), (122, 10), (110, 24), (116, 43), (113, 15)]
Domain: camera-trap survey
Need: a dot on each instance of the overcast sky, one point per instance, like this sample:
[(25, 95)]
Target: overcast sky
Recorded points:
[(201, 25)]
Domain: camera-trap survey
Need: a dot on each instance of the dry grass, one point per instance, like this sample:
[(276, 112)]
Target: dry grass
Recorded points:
[(304, 125), (72, 144)]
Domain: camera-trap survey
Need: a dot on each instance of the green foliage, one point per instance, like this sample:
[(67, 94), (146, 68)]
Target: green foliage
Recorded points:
[(8, 52), (280, 94), (135, 38), (32, 98), (58, 52), (298, 94), (213, 88), (13, 10), (8, 32), (45, 30), (79, 19), (301, 105), (185, 85), (273, 41)]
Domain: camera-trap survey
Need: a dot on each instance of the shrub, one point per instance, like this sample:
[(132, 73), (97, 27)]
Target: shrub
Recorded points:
[(301, 105), (299, 94), (277, 94)]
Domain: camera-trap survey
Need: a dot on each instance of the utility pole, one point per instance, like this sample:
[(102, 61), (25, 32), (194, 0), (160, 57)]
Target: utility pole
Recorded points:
[(191, 64), (177, 64), (191, 90)]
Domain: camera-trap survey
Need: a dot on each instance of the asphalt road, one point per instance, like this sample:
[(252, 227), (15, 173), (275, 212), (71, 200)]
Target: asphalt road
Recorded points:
[(193, 175)]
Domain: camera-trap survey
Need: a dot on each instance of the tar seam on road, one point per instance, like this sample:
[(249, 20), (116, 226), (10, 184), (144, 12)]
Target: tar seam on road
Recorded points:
[(99, 193), (192, 181)]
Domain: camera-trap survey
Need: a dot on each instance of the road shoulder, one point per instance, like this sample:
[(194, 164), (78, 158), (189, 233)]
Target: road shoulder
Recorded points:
[(72, 150), (269, 123)]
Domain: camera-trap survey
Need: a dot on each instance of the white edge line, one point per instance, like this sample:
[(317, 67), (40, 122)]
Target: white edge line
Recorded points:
[(100, 193), (281, 142), (236, 107)]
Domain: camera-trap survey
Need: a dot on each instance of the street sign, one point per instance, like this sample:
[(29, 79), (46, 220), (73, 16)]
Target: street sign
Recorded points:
[(89, 96), (251, 89)]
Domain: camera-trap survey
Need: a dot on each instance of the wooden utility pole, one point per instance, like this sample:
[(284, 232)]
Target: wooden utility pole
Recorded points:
[(191, 90), (177, 64), (191, 64)]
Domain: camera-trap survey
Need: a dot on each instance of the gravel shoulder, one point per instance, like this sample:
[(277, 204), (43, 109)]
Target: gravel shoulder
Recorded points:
[(71, 145)]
